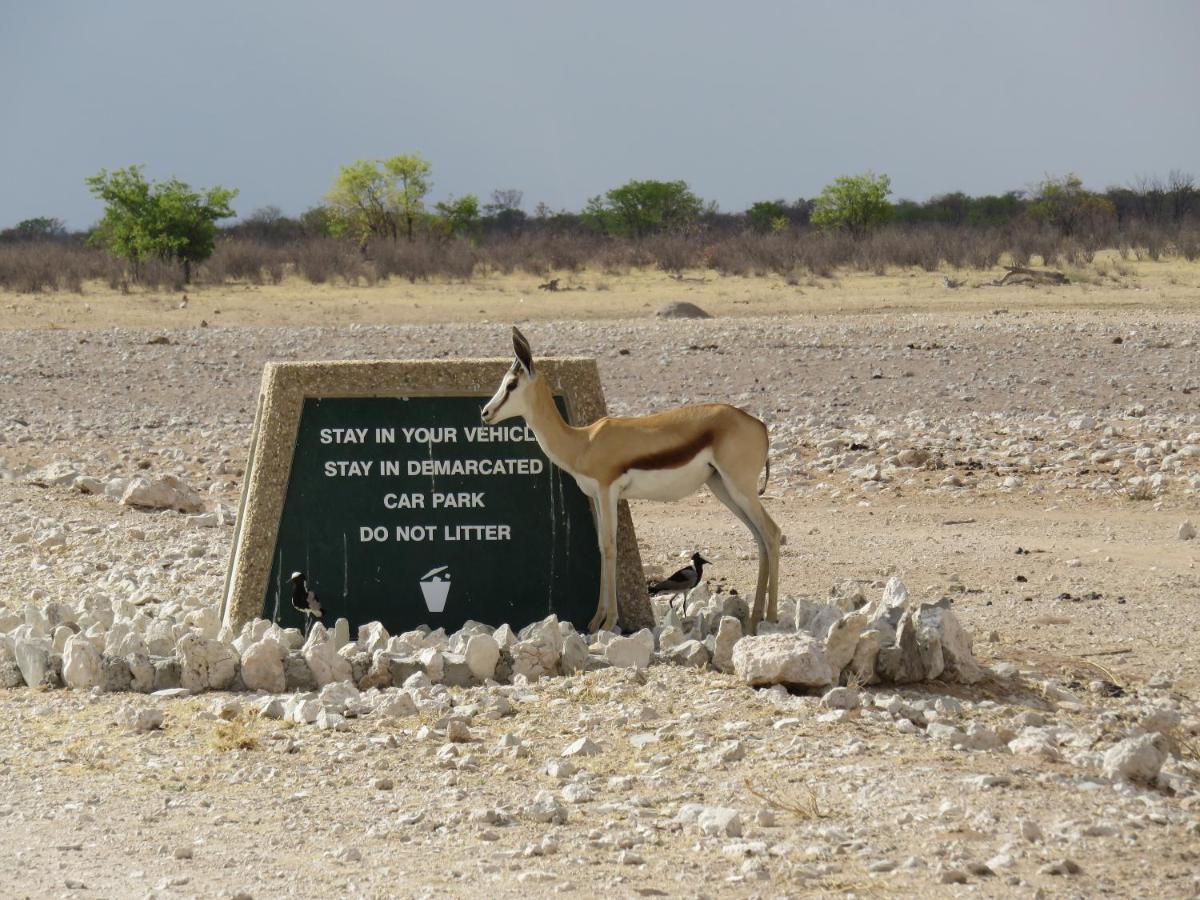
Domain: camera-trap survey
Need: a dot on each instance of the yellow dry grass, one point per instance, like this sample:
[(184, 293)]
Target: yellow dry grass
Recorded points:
[(800, 800), (233, 735), (590, 294)]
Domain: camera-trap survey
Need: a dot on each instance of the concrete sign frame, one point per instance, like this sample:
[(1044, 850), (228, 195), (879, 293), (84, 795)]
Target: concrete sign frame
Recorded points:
[(286, 386)]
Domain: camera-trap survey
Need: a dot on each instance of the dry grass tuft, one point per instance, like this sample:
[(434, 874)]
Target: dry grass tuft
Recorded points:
[(800, 800), (233, 735), (1066, 665)]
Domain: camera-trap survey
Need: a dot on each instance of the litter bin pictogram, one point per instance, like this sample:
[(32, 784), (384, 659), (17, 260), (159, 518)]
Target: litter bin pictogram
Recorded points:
[(435, 585)]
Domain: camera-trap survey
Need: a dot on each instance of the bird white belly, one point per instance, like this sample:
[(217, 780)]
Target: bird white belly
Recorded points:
[(668, 484)]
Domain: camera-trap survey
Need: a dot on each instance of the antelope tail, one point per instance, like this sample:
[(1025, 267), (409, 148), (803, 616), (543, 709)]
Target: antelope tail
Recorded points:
[(766, 477)]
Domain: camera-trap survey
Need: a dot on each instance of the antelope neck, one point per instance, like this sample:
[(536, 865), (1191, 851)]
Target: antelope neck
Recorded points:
[(558, 440)]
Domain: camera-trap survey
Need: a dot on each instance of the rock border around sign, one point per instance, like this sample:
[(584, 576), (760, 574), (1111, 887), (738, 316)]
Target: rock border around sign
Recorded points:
[(286, 385)]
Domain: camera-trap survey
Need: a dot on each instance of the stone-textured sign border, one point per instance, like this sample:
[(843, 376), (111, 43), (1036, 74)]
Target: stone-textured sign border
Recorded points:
[(286, 385)]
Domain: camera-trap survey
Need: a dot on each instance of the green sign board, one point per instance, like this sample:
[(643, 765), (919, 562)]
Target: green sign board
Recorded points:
[(410, 511)]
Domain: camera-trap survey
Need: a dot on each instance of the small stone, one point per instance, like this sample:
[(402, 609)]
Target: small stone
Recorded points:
[(720, 821), (1187, 531), (142, 718), (1136, 759), (1060, 867), (183, 852), (545, 808), (1030, 830), (840, 698), (582, 747), (577, 793), (384, 784)]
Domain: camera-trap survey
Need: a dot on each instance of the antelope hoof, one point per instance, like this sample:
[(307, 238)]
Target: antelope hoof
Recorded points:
[(595, 624)]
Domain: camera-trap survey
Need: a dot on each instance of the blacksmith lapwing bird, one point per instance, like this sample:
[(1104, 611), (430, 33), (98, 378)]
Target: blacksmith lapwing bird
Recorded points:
[(683, 580), (305, 601)]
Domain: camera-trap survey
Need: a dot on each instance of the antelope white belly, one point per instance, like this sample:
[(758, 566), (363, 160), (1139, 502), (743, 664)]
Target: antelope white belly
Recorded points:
[(668, 484)]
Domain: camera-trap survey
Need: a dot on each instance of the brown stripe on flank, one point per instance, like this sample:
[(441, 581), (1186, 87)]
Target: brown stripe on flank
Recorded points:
[(673, 457)]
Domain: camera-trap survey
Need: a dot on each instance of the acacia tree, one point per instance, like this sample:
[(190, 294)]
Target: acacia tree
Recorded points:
[(461, 216), (167, 220), (373, 198), (854, 203), (638, 208), (767, 216), (1064, 203)]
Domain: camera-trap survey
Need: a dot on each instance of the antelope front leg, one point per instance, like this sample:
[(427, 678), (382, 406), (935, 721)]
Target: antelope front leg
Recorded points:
[(606, 534)]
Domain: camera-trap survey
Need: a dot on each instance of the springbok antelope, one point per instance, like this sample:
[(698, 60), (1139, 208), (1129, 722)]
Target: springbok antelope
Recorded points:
[(665, 456)]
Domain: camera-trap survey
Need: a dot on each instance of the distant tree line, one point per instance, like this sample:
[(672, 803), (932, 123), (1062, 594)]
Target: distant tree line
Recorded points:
[(373, 207)]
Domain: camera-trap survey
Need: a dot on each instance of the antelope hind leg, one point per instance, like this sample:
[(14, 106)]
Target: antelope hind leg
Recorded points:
[(742, 509)]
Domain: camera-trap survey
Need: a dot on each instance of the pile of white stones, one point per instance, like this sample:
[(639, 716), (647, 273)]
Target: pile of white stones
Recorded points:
[(161, 646), (144, 491)]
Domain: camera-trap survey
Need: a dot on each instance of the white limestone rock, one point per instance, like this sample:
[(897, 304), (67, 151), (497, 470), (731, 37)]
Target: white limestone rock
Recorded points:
[(341, 633), (432, 663), (843, 639), (10, 672), (396, 705), (690, 653), (840, 698), (140, 718), (574, 654), (729, 632), (81, 664), (59, 473), (1137, 758), (816, 618), (371, 637), (262, 666), (546, 809), (162, 492), (631, 652), (205, 664), (584, 746), (954, 644), (33, 659), (482, 653), (796, 659), (141, 672), (719, 821), (320, 652), (534, 657)]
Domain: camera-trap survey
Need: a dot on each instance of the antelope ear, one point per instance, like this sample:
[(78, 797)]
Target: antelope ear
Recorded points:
[(521, 348)]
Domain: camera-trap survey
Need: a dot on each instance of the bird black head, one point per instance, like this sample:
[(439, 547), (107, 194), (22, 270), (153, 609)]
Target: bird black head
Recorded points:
[(297, 578), (698, 560)]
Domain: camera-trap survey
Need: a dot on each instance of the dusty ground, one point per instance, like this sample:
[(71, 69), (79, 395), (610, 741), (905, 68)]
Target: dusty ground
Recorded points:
[(1014, 391)]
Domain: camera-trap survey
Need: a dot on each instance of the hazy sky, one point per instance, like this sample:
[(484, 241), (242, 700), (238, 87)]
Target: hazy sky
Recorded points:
[(563, 100)]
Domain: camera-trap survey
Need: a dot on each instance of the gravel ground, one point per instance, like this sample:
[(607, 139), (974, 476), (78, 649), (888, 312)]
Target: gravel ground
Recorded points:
[(929, 445)]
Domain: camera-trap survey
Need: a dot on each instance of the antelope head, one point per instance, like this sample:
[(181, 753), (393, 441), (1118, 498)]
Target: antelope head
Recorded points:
[(513, 396)]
